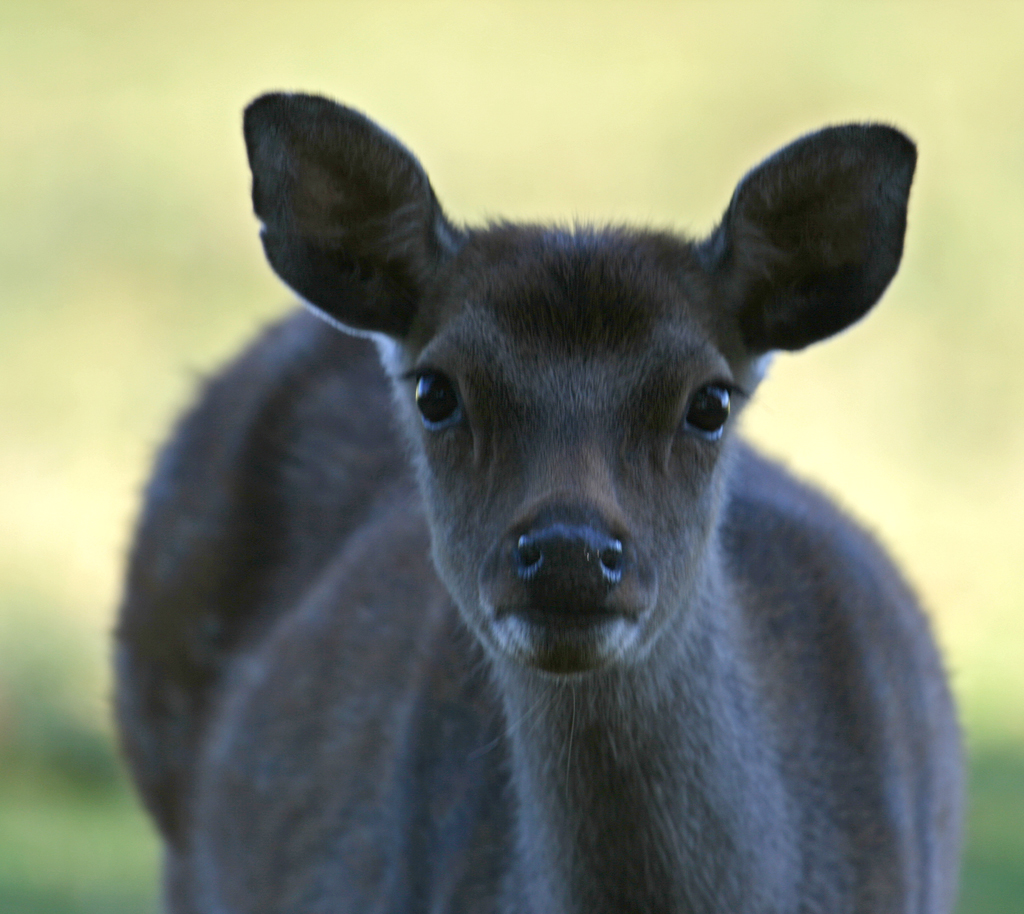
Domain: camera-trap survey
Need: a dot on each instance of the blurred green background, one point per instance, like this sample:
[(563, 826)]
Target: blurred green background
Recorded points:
[(130, 268)]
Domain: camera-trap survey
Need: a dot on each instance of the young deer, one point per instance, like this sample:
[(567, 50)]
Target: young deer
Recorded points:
[(589, 653)]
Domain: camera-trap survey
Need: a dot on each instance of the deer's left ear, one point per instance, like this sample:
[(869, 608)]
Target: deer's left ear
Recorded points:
[(813, 235)]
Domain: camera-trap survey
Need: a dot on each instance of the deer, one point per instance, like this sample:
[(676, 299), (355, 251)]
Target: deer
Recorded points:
[(483, 605)]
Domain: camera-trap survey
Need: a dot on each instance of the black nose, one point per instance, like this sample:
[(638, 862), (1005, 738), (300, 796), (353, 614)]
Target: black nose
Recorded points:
[(567, 566)]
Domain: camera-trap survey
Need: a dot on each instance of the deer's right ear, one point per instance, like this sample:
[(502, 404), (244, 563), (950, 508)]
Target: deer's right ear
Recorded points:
[(350, 221)]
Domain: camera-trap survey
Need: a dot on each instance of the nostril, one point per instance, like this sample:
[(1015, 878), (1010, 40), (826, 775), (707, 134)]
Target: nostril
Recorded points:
[(528, 556), (611, 560), (611, 555)]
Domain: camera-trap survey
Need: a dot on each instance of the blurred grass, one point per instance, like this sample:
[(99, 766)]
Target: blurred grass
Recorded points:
[(130, 265), (73, 850), (993, 874)]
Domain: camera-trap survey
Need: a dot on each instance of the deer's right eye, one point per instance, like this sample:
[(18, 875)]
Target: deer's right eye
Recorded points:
[(438, 401)]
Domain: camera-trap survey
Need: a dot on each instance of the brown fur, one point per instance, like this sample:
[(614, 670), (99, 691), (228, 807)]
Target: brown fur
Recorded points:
[(584, 654)]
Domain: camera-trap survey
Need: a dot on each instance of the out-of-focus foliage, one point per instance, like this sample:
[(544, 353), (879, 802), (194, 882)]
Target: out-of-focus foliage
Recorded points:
[(129, 265)]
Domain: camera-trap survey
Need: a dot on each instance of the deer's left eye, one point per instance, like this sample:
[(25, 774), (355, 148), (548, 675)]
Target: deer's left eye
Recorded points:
[(438, 401), (707, 411)]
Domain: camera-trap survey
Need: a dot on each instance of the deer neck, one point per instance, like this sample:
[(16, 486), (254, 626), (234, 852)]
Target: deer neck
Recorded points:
[(650, 787)]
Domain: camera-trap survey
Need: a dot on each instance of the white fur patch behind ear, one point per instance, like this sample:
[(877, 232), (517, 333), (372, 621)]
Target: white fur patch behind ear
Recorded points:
[(392, 355), (329, 319), (759, 367), (390, 350)]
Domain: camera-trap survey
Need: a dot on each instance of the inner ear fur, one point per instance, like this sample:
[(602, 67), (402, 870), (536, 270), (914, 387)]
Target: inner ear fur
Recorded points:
[(813, 235), (350, 221)]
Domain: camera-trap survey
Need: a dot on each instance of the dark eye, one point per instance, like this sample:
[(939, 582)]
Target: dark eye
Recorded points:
[(437, 400), (708, 411)]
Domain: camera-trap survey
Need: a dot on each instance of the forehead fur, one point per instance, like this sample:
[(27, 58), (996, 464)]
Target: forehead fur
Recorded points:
[(576, 290)]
